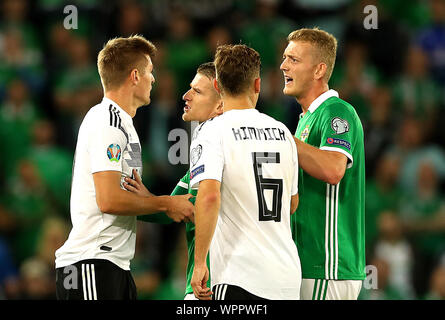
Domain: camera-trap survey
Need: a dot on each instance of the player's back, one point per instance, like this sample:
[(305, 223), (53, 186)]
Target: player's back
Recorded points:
[(252, 245)]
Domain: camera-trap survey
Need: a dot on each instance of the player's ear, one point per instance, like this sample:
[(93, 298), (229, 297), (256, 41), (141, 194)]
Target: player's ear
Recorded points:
[(134, 76), (215, 85), (257, 85), (320, 71), (219, 108)]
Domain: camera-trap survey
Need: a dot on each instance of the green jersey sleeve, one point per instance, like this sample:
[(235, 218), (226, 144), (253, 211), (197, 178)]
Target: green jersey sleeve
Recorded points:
[(160, 217), (338, 130)]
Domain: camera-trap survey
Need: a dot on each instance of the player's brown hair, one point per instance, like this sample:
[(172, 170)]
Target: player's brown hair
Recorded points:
[(207, 69), (121, 55), (324, 44), (236, 67)]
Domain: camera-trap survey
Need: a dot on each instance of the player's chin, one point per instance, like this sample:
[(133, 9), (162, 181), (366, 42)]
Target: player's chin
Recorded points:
[(288, 91), (185, 117)]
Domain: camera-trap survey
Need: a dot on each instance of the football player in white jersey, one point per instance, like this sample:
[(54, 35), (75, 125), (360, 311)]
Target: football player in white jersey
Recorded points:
[(94, 263), (246, 166)]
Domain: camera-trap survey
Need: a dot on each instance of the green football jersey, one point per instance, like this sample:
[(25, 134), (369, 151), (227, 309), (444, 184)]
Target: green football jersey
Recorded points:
[(184, 184), (329, 224), (181, 188)]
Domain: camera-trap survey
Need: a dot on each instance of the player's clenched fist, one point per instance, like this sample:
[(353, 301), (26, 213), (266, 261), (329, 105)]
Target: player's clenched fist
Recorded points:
[(180, 208), (199, 282)]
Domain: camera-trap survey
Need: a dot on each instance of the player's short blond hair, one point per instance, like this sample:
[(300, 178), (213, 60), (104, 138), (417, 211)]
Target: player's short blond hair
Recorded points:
[(207, 69), (121, 55), (324, 44)]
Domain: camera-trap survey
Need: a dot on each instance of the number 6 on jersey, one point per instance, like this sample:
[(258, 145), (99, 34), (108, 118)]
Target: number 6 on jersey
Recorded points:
[(263, 184)]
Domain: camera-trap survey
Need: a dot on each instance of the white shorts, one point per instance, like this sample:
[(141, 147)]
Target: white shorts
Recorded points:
[(321, 289), (190, 296)]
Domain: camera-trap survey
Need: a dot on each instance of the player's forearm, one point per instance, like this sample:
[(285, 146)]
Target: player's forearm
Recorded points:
[(161, 217), (206, 216), (121, 202), (321, 164)]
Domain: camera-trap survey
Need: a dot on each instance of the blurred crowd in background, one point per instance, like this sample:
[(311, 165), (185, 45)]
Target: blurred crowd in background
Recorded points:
[(393, 75)]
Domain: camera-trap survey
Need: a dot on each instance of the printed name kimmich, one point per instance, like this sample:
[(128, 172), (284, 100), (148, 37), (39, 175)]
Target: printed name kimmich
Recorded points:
[(250, 133)]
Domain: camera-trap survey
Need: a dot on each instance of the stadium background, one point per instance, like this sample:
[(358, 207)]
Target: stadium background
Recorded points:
[(394, 76)]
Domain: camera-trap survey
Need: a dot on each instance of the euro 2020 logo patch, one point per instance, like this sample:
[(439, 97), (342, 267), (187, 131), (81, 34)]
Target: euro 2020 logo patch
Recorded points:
[(114, 152)]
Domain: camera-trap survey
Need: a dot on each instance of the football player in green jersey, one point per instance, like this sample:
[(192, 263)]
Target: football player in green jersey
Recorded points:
[(328, 227), (202, 102)]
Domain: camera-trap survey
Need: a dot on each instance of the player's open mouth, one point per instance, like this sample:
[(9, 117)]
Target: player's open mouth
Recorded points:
[(288, 80), (186, 108)]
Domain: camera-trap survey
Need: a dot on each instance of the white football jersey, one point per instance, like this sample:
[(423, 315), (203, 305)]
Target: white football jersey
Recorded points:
[(255, 159), (107, 141)]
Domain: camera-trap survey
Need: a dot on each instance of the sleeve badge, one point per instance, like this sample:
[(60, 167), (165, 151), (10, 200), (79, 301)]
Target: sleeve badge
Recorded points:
[(114, 152), (339, 125)]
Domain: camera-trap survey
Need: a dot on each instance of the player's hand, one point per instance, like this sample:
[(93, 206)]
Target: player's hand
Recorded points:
[(181, 209), (136, 186), (199, 282)]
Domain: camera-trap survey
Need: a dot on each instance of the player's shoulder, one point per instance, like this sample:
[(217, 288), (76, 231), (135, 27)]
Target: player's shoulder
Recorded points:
[(104, 114), (335, 106), (98, 113), (341, 115), (208, 127)]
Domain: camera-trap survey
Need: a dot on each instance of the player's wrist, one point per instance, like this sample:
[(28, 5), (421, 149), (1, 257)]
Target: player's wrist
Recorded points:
[(199, 263), (200, 260), (164, 203)]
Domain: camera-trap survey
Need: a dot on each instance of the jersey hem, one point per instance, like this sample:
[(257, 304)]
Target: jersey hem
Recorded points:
[(107, 169), (65, 263), (340, 277)]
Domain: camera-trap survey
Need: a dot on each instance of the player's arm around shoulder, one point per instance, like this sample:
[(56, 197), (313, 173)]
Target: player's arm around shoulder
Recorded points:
[(328, 161), (328, 166)]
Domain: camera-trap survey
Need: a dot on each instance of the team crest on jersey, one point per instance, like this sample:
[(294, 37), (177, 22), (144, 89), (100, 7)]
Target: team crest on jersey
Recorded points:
[(114, 152), (196, 154), (304, 133), (339, 125)]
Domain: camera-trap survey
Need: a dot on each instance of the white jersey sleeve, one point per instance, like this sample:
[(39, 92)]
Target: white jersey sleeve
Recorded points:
[(105, 148), (206, 154)]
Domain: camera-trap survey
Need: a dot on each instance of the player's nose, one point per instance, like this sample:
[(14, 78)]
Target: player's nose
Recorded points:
[(185, 97)]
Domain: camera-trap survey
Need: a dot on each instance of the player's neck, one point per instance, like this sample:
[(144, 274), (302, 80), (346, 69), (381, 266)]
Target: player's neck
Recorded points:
[(311, 95), (124, 100), (240, 102)]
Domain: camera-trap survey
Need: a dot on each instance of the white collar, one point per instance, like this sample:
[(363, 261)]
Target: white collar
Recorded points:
[(322, 98)]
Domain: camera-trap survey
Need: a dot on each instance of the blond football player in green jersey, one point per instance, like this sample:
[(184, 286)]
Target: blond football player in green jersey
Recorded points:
[(328, 227), (202, 102)]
